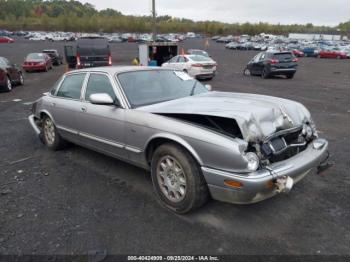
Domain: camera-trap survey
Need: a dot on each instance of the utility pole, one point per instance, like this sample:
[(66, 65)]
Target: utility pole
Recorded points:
[(154, 15)]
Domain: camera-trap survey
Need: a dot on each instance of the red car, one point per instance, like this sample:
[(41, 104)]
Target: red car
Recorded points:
[(6, 39), (298, 53), (10, 75), (37, 62), (332, 54)]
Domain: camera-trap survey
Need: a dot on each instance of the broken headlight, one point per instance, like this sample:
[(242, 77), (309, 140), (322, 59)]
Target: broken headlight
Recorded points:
[(253, 161)]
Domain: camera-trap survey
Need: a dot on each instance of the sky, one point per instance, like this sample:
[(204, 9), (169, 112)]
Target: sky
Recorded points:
[(318, 12)]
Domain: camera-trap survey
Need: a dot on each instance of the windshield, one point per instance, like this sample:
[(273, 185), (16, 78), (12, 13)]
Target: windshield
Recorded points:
[(156, 86), (36, 56)]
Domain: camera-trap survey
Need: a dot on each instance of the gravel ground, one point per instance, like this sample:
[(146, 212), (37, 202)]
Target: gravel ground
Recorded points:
[(76, 201)]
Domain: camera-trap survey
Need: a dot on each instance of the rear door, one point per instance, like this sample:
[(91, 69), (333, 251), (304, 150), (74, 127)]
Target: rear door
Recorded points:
[(70, 56), (65, 105)]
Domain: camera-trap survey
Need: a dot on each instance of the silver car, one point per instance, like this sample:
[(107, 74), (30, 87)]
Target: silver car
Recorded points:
[(233, 147)]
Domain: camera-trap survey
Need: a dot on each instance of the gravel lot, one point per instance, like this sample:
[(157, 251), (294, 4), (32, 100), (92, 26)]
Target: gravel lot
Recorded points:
[(76, 201)]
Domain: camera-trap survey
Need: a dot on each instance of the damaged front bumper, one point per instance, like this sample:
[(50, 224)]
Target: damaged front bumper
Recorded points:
[(265, 183)]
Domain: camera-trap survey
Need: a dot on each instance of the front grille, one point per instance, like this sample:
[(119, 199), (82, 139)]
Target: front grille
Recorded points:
[(284, 145)]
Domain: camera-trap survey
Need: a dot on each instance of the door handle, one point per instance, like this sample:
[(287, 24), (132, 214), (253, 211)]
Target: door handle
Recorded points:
[(83, 109)]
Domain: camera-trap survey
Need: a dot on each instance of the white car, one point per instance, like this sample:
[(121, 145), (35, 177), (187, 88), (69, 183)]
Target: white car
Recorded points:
[(197, 66)]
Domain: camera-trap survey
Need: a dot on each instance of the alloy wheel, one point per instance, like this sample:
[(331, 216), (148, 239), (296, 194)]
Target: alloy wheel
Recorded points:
[(171, 179), (49, 131)]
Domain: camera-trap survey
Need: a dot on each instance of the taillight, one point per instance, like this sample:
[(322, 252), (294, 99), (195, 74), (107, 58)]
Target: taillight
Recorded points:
[(197, 65), (295, 59), (110, 59), (273, 61), (78, 60)]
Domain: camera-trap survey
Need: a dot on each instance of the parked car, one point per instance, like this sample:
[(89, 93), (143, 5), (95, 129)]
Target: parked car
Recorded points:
[(310, 51), (272, 63), (235, 147), (197, 66), (37, 62), (55, 56), (115, 39), (331, 53), (298, 53), (6, 39), (232, 45), (89, 52), (10, 74), (198, 52)]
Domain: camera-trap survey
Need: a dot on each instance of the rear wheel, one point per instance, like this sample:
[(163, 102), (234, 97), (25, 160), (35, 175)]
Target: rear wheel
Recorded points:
[(50, 136), (8, 84), (177, 179), (264, 74)]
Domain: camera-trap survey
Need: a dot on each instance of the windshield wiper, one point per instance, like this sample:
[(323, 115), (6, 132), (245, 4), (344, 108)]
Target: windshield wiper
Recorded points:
[(193, 88)]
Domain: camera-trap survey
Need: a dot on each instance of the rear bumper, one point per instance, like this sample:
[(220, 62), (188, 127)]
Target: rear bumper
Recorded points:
[(260, 185), (35, 127), (282, 71)]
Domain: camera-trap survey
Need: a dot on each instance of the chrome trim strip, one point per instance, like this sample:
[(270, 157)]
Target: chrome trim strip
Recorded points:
[(97, 139), (72, 131), (133, 149)]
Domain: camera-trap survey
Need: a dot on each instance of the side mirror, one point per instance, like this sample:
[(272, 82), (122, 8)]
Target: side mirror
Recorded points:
[(101, 99), (209, 87)]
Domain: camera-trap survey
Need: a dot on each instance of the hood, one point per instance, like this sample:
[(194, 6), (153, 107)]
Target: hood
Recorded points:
[(257, 116)]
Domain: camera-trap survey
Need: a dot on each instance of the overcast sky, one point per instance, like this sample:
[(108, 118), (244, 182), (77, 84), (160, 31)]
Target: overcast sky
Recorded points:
[(318, 12)]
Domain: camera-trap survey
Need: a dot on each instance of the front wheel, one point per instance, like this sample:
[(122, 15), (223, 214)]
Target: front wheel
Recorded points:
[(8, 84), (177, 179), (290, 76), (20, 79), (246, 72), (50, 136)]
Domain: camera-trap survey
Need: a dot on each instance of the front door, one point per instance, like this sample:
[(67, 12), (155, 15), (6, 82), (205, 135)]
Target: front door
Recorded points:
[(102, 126)]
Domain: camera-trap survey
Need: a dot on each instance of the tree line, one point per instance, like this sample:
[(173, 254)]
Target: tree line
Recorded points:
[(74, 16)]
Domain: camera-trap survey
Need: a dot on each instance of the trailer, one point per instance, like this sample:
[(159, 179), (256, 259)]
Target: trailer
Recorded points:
[(157, 53)]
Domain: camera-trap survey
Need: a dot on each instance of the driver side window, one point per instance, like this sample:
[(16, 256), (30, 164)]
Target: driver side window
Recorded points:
[(99, 83)]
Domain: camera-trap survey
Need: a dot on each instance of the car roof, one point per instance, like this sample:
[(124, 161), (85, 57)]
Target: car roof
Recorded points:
[(119, 69)]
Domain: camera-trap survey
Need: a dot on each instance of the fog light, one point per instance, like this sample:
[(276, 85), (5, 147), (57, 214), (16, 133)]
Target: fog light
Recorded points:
[(253, 161)]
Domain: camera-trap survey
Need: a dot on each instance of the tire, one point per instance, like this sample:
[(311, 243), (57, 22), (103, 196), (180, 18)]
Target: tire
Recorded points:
[(264, 74), (319, 56), (8, 85), (247, 72), (182, 175), (290, 76), (50, 136), (338, 57), (21, 79)]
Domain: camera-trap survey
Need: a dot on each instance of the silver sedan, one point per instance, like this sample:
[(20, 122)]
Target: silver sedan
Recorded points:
[(233, 147)]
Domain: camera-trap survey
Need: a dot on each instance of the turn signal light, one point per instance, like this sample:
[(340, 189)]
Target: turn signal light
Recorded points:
[(232, 183)]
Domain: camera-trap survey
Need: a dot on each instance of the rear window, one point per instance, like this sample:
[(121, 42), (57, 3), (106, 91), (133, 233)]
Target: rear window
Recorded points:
[(283, 56), (199, 58), (93, 46)]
